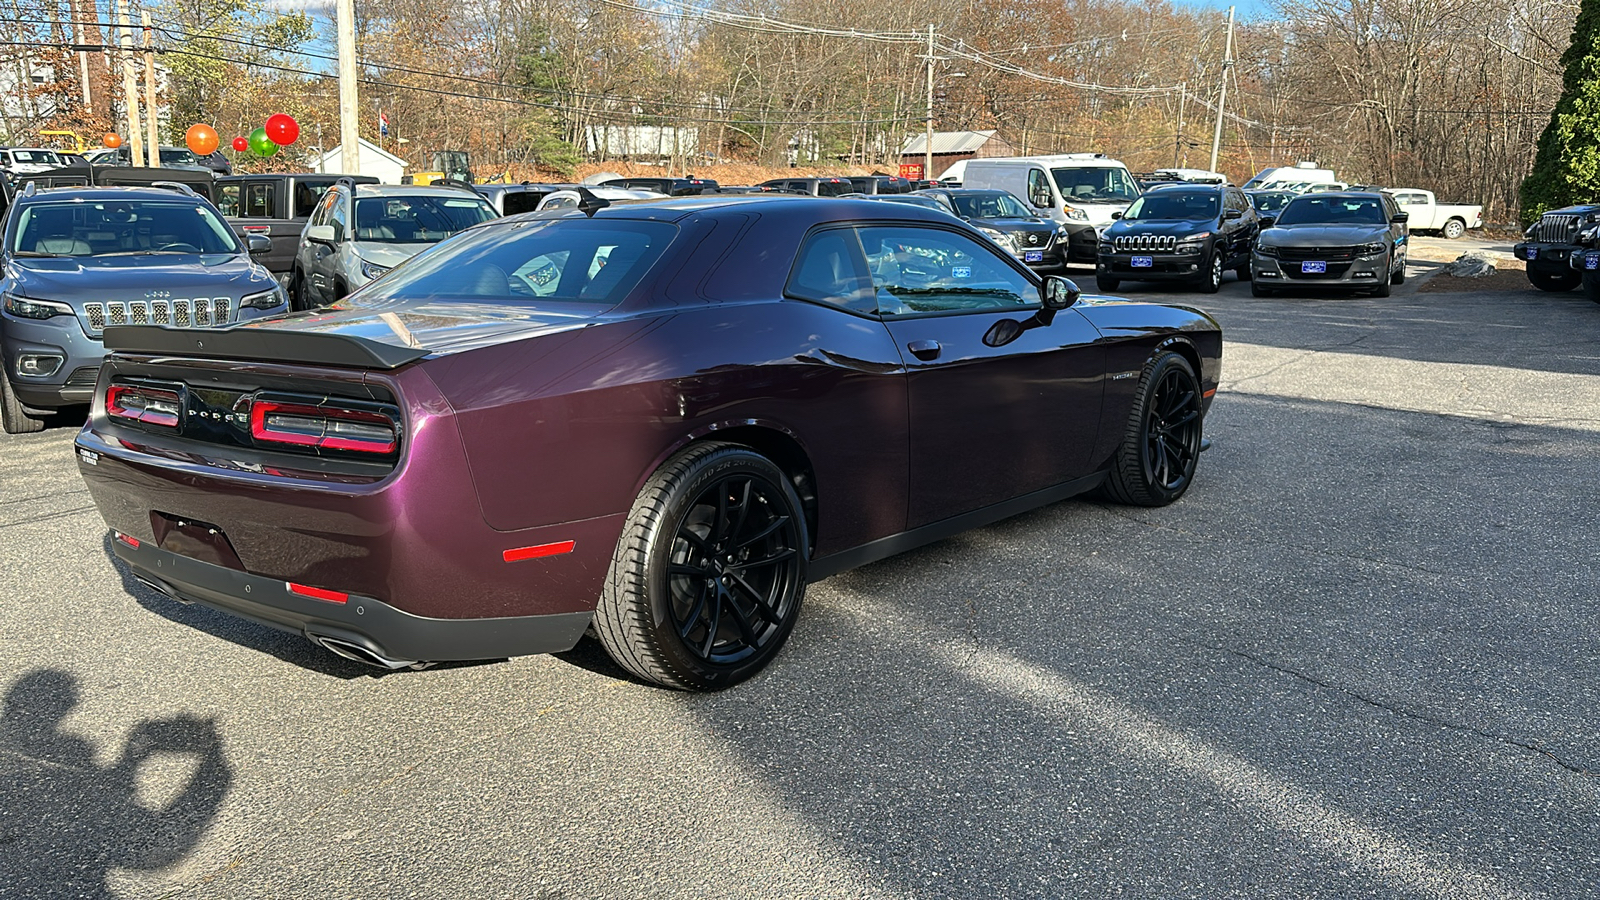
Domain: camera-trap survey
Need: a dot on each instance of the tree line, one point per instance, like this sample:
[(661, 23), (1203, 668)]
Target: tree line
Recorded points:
[(1449, 95)]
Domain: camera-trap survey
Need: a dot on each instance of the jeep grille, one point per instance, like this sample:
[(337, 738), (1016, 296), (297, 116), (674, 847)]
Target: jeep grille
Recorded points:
[(1146, 242), (1557, 229), (201, 312)]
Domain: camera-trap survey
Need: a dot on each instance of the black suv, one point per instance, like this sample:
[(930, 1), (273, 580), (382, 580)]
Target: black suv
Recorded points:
[(879, 184), (1038, 242), (1554, 246), (1179, 232), (816, 187), (672, 187)]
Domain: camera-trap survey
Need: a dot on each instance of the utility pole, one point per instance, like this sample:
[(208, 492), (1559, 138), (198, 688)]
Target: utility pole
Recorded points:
[(1222, 96), (130, 85), (82, 32), (349, 103), (1177, 143), (927, 150), (150, 91)]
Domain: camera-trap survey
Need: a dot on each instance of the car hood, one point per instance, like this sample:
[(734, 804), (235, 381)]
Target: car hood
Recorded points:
[(1179, 228), (1322, 235), (386, 254), (437, 326), (88, 278)]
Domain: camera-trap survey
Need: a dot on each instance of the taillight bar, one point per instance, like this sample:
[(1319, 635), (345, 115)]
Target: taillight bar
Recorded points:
[(139, 403), (327, 427)]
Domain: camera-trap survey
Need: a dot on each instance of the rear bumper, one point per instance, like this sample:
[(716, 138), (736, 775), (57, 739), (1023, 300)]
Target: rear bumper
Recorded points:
[(387, 635)]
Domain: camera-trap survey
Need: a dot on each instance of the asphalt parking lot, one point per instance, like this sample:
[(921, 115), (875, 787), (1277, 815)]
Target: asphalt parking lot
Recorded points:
[(1359, 659)]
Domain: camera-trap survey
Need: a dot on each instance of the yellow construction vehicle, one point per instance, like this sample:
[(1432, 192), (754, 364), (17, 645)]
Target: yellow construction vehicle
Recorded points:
[(452, 164), (78, 146)]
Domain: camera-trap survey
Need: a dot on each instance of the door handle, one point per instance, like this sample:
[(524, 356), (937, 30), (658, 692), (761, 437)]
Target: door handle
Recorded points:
[(924, 350)]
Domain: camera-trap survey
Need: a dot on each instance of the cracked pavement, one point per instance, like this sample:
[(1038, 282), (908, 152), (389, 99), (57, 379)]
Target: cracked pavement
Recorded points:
[(1360, 659)]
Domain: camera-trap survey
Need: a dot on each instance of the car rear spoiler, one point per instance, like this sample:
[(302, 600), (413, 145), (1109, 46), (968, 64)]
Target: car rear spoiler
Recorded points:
[(265, 344)]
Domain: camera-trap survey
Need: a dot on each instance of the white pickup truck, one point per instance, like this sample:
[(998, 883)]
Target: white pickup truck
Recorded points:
[(1428, 214)]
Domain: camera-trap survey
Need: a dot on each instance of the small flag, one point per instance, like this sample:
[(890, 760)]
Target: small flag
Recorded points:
[(383, 124)]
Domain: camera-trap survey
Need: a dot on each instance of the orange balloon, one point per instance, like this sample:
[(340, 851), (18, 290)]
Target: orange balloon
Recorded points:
[(112, 140), (202, 139)]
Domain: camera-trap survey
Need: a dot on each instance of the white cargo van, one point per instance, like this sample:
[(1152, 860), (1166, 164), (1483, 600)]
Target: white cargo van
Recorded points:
[(1281, 177), (1079, 190)]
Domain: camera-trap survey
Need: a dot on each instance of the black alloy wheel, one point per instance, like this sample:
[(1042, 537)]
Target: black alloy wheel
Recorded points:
[(710, 573), (1161, 446)]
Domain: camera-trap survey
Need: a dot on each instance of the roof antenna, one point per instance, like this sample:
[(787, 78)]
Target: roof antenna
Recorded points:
[(589, 203)]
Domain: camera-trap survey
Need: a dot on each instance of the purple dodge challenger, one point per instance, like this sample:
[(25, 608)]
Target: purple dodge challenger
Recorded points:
[(656, 422)]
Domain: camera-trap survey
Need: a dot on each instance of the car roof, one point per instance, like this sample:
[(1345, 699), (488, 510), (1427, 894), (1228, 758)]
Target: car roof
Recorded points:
[(410, 190), (107, 192), (818, 209), (1365, 195), (1193, 185)]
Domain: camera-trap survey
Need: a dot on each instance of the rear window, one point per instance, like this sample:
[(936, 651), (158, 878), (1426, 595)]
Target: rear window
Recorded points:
[(834, 188), (557, 260)]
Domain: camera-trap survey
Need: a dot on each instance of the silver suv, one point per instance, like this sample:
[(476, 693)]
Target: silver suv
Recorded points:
[(360, 231)]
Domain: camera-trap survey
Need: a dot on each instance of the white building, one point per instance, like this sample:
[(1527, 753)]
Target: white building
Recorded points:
[(375, 161)]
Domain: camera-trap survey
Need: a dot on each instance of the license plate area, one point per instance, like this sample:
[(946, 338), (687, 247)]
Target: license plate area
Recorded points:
[(1033, 256), (1313, 267), (199, 541), (1142, 262)]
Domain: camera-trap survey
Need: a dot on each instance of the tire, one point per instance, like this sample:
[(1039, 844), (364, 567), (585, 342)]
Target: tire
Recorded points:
[(1256, 290), (1243, 271), (1161, 444), (1555, 283), (1209, 281), (680, 607), (13, 417), (1107, 283), (1591, 286), (1383, 289), (297, 291), (340, 291), (1398, 276), (1453, 229)]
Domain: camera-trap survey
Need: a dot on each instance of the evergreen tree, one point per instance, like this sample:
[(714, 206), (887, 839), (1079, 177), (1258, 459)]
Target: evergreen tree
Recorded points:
[(1566, 169)]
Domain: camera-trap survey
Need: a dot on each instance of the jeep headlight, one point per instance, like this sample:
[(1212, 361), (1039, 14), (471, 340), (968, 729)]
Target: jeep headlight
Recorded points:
[(266, 299), (1194, 243), (1372, 249), (35, 309)]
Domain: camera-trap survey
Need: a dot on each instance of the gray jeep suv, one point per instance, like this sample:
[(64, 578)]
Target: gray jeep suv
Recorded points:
[(79, 259)]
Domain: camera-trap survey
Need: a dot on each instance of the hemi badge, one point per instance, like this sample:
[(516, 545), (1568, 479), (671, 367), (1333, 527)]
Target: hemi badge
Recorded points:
[(522, 553)]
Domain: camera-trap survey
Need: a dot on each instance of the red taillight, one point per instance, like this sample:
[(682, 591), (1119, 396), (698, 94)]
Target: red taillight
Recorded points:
[(522, 553), (317, 593), (127, 539), (137, 403), (326, 427)]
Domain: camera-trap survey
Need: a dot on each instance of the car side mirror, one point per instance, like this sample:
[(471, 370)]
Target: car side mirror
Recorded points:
[(1116, 215), (257, 244), (1059, 293), (1400, 218), (1231, 214), (321, 234), (1268, 221)]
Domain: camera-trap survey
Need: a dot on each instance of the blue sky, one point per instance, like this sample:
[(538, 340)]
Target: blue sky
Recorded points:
[(1244, 10)]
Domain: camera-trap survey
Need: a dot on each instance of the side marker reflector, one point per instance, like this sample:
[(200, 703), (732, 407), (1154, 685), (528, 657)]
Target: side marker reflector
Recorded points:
[(522, 553), (130, 541), (1208, 394), (317, 593)]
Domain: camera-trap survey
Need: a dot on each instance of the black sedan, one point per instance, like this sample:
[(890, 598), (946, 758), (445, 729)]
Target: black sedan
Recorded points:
[(1179, 232), (1347, 240), (656, 420)]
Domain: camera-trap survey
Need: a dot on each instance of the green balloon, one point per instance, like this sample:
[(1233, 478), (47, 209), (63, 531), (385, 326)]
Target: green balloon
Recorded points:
[(260, 144)]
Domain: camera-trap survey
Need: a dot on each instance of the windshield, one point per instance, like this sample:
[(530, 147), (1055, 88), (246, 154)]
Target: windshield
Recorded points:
[(108, 227), (575, 260), (1175, 204), (45, 157), (990, 205), (177, 156), (417, 219), (1095, 184), (1324, 210)]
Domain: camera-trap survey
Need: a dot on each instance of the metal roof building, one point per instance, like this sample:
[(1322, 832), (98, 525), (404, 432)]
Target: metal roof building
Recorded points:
[(951, 146)]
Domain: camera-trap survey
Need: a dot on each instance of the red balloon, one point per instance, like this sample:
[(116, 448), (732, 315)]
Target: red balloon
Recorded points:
[(240, 144), (283, 129)]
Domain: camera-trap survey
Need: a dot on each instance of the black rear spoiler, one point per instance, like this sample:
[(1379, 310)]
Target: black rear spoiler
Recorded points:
[(264, 344)]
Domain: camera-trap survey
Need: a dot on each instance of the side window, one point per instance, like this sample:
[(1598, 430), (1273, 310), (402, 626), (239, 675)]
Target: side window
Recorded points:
[(228, 200), (338, 215), (258, 197), (1411, 199), (1039, 189), (519, 202), (306, 198), (929, 270), (829, 269), (320, 215)]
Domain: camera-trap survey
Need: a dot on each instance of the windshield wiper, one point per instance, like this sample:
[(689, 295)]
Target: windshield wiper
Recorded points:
[(39, 253)]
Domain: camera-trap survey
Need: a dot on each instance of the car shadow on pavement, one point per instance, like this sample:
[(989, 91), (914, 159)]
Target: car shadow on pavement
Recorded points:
[(69, 820)]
